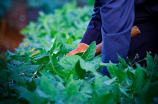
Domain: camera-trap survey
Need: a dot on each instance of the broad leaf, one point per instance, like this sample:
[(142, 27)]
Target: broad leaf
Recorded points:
[(117, 94), (100, 99), (69, 61), (69, 40), (30, 96), (139, 79), (90, 52), (108, 82), (80, 72), (122, 65), (48, 88), (122, 76), (72, 87), (125, 92), (31, 85), (98, 84), (150, 64), (26, 69), (115, 72)]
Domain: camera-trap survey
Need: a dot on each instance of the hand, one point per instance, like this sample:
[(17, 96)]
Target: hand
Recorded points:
[(80, 48)]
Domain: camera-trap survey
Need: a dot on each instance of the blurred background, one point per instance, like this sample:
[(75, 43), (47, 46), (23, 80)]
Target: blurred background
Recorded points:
[(16, 14)]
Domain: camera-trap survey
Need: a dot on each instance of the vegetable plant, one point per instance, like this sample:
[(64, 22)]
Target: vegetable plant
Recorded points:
[(39, 72)]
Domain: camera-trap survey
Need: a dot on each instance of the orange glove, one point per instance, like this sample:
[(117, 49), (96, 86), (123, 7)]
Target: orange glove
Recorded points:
[(80, 48)]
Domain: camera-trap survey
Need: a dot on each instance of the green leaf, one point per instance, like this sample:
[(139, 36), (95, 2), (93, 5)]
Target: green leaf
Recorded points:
[(26, 69), (96, 61), (66, 74), (48, 88), (112, 68), (90, 52), (42, 60), (122, 76), (24, 31), (122, 65), (86, 90), (30, 96), (42, 94), (139, 78), (32, 85), (13, 75), (115, 72), (69, 61), (80, 72), (98, 84), (48, 76), (44, 42), (117, 93), (72, 87), (146, 86), (53, 61), (63, 48), (80, 54), (9, 53), (110, 81), (132, 70), (150, 64), (100, 99), (41, 56), (23, 58), (88, 66), (125, 92), (127, 83), (69, 40), (54, 45), (91, 2)]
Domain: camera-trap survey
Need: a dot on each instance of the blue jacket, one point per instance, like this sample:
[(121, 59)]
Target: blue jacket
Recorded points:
[(111, 24)]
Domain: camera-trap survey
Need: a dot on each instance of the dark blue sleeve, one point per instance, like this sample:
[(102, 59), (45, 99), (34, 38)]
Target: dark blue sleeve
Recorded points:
[(117, 20), (111, 22), (93, 32)]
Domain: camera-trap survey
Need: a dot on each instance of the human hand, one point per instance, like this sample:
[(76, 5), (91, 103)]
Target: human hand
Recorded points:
[(80, 48)]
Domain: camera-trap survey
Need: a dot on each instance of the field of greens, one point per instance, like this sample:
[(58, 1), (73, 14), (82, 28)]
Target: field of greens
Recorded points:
[(40, 73)]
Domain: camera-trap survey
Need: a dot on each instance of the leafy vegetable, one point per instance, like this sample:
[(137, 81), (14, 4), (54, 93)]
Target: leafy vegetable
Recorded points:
[(39, 72)]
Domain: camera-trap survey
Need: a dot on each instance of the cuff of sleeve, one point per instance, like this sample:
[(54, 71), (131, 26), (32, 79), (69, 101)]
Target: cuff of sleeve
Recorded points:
[(93, 32)]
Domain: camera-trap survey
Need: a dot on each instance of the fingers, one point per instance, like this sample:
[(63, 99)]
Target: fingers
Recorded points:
[(71, 53), (80, 48)]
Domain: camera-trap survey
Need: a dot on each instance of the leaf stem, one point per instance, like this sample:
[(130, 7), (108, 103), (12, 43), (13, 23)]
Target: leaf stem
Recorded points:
[(137, 62)]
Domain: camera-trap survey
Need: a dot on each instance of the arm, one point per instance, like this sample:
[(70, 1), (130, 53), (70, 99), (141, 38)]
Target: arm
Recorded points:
[(134, 32), (93, 32)]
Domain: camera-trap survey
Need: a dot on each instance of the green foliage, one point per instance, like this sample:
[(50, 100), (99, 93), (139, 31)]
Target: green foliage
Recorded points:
[(68, 23), (90, 52), (43, 74)]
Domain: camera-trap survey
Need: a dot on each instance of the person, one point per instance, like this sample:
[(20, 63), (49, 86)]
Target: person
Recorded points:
[(111, 24)]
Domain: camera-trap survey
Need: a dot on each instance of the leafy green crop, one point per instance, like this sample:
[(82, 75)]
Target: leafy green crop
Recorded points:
[(39, 72), (69, 23)]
